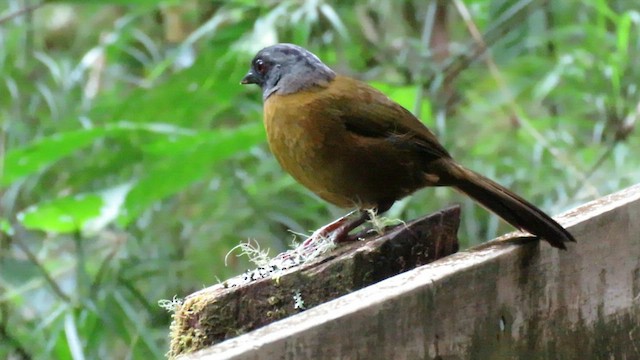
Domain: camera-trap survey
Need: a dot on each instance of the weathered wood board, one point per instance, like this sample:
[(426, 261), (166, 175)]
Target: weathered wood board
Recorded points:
[(222, 311), (501, 301)]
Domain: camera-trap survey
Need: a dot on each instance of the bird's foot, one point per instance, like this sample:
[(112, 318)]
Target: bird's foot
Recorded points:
[(320, 242), (338, 231), (323, 240), (331, 232)]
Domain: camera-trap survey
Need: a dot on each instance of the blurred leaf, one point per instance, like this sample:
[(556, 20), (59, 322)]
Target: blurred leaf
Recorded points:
[(46, 151), (63, 215), (115, 2), (73, 338), (190, 157), (59, 347), (331, 15), (140, 332), (16, 272), (42, 153), (112, 200), (187, 162), (5, 227)]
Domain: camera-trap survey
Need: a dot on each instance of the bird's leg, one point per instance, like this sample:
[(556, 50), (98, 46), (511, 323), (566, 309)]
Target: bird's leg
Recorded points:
[(338, 231), (323, 239)]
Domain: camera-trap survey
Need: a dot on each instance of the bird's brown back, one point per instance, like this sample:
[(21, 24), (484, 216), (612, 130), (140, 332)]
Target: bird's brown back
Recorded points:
[(350, 144)]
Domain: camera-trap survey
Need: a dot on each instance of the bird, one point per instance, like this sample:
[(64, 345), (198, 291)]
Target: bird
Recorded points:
[(354, 147)]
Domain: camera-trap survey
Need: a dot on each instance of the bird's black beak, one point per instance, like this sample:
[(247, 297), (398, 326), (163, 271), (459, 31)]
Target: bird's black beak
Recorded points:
[(250, 78)]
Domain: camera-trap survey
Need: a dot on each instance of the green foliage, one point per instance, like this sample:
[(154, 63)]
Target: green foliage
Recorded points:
[(62, 215), (132, 161)]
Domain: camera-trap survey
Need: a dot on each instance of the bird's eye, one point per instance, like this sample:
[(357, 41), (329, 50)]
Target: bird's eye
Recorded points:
[(260, 66)]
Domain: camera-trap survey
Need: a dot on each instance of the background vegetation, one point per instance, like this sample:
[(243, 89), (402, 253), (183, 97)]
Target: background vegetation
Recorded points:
[(132, 161)]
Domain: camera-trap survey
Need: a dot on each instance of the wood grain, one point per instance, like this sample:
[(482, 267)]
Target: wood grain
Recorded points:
[(501, 301), (221, 312)]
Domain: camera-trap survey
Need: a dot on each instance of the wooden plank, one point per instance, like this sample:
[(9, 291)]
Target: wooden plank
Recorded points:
[(223, 311), (497, 302)]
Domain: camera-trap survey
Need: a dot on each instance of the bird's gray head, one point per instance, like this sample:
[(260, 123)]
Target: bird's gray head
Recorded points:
[(286, 69)]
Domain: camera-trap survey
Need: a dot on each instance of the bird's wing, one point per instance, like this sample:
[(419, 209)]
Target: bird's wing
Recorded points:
[(367, 112)]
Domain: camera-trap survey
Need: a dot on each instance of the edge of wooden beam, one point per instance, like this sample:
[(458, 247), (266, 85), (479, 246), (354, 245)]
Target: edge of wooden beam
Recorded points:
[(596, 277)]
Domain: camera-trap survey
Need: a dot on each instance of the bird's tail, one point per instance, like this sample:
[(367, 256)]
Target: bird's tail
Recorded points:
[(511, 207)]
